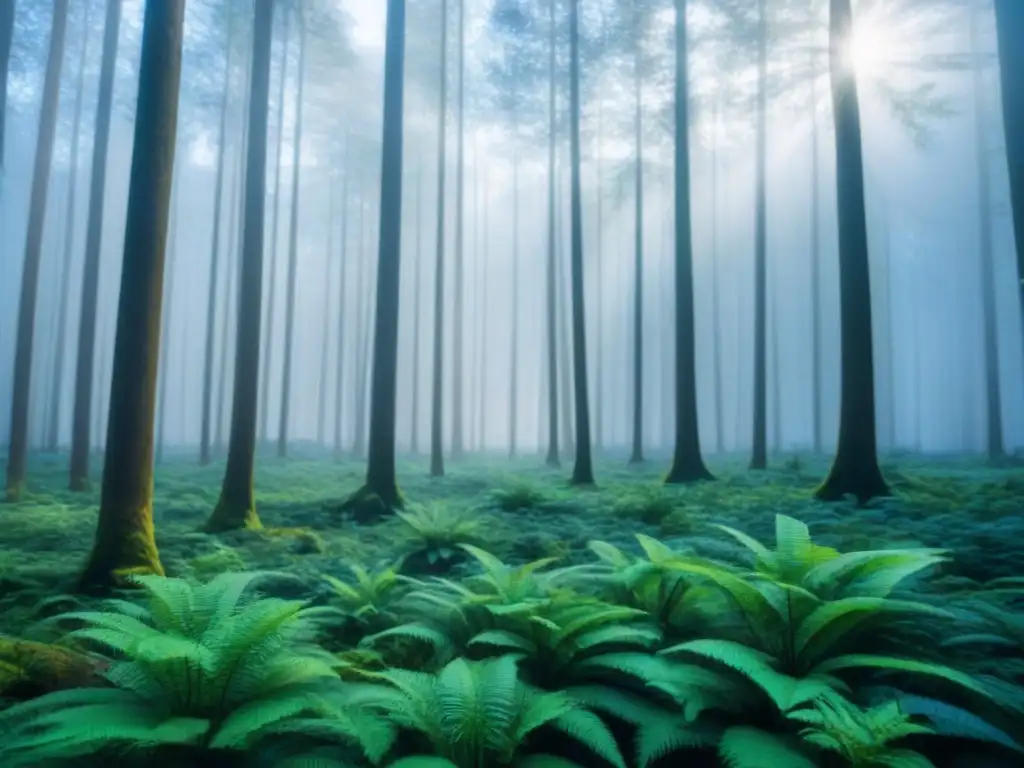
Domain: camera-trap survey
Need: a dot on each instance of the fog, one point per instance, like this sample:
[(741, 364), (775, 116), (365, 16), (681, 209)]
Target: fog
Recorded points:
[(922, 194)]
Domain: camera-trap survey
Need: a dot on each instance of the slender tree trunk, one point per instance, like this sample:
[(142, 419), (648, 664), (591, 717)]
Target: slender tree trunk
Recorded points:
[(583, 471), (165, 329), (414, 436), (637, 454), (237, 505), (325, 338), (56, 399), (6, 36), (716, 283), (552, 459), (362, 303), (599, 264), (437, 386), (84, 372), (513, 403), (687, 463), (458, 316), (342, 304), (855, 469), (776, 369), (1010, 32), (485, 315), (381, 489), (759, 456), (564, 284), (268, 331), (124, 535), (18, 446), (993, 391), (293, 257), (817, 323), (211, 296)]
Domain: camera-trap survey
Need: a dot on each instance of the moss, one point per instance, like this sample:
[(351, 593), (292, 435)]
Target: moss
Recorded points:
[(307, 541), (30, 668), (230, 517), (221, 560), (117, 553)]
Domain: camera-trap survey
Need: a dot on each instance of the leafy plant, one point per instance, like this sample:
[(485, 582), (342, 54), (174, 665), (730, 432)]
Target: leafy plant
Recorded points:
[(208, 667), (434, 533), (478, 714), (519, 495), (648, 504)]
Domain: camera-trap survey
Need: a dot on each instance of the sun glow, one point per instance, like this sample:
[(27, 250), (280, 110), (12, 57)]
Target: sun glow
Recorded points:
[(874, 44)]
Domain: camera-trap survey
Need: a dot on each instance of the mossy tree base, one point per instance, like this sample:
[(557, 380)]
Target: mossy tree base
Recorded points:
[(80, 484), (13, 492), (230, 516), (116, 556), (863, 481), (370, 504), (684, 473)]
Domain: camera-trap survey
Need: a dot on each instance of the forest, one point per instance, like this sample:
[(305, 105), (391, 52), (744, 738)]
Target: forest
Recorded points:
[(533, 383)]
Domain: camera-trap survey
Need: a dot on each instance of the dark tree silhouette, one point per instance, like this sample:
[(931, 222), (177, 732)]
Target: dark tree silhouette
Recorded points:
[(6, 36), (1010, 33), (18, 447), (759, 454), (855, 468), (437, 387), (687, 462), (237, 505), (583, 469), (380, 492), (124, 535), (552, 458), (84, 374), (458, 314)]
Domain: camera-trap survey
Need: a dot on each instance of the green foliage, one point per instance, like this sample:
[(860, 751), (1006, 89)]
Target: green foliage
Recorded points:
[(476, 714), (434, 533), (651, 505), (372, 594), (519, 495), (221, 560), (208, 667)]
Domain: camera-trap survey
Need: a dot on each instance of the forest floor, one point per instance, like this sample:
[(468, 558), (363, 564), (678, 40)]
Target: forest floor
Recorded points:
[(520, 510)]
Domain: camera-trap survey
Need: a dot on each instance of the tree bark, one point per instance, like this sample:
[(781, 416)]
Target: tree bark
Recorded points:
[(513, 401), (18, 446), (993, 390), (84, 373), (268, 331), (458, 311), (817, 422), (414, 433), (637, 454), (1010, 32), (237, 505), (855, 468), (57, 390), (759, 454), (552, 459), (342, 304), (583, 471), (325, 338), (165, 329), (381, 489), (124, 536), (211, 296), (599, 262), (716, 283), (6, 36), (437, 387), (687, 463), (293, 256)]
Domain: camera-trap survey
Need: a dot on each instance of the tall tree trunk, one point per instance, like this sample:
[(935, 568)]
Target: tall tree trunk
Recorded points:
[(6, 36), (321, 422), (687, 463), (342, 304), (855, 469), (458, 311), (381, 489), (165, 328), (211, 296), (237, 505), (1010, 32), (268, 331), (293, 256), (362, 303), (776, 367), (84, 373), (759, 454), (437, 385), (485, 257), (18, 447), (716, 283), (637, 454), (583, 471), (552, 459), (564, 285), (414, 435), (56, 399), (124, 535), (599, 264), (993, 391), (513, 402), (817, 323)]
